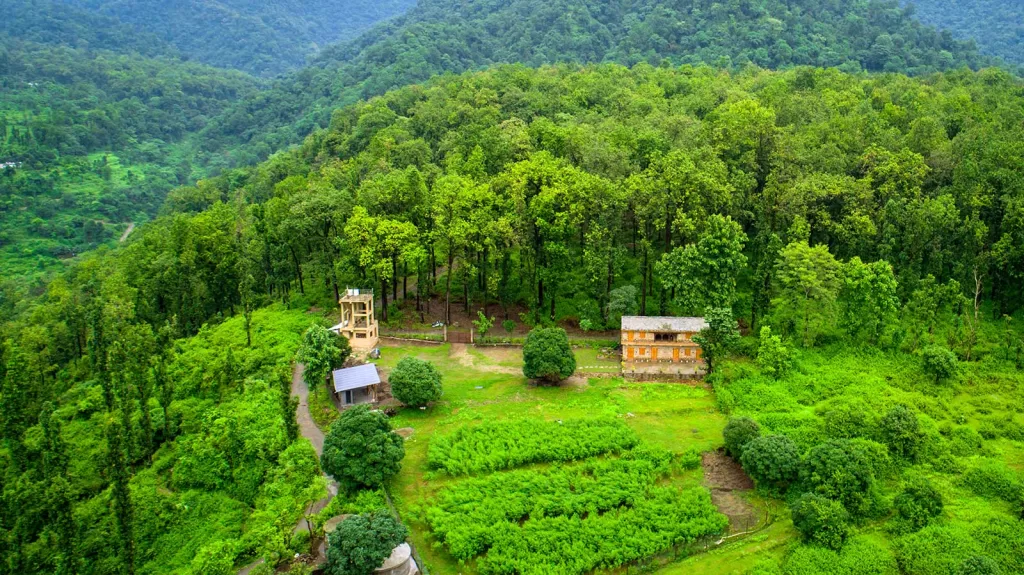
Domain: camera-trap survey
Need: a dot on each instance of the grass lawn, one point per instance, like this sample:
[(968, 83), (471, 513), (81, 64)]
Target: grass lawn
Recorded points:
[(484, 384)]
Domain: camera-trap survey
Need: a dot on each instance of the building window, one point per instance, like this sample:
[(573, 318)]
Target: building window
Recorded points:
[(664, 337)]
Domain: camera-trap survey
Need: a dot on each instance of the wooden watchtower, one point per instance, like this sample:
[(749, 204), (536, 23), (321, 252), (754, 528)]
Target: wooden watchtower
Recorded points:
[(358, 322)]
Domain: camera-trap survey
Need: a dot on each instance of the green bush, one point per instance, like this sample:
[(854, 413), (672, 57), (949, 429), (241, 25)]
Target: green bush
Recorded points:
[(547, 355), (917, 505), (939, 362), (501, 445), (415, 382), (538, 521), (360, 449), (840, 470), (979, 565), (738, 432), (362, 542), (994, 480), (821, 520), (772, 461)]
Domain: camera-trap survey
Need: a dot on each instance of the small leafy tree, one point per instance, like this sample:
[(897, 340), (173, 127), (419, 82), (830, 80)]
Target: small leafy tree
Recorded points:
[(939, 362), (361, 543), (839, 470), (901, 432), (622, 301), (483, 324), (719, 337), (918, 504), (360, 449), (772, 461), (547, 355), (321, 351), (773, 356), (739, 432), (415, 382), (821, 520), (509, 326)]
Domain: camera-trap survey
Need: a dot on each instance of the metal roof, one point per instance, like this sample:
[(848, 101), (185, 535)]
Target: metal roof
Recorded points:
[(644, 323), (355, 377)]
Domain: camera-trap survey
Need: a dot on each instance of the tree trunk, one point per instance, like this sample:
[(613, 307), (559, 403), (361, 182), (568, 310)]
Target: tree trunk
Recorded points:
[(383, 299)]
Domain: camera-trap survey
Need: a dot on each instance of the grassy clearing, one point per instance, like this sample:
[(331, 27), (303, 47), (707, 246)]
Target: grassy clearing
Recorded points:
[(486, 387)]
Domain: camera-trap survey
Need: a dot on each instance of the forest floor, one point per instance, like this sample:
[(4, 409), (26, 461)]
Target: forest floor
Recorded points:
[(486, 384)]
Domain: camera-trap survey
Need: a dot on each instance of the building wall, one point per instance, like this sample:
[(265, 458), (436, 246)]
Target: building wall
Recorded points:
[(666, 347)]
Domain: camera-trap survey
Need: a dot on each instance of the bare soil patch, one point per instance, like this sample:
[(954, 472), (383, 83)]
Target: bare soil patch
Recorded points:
[(728, 482)]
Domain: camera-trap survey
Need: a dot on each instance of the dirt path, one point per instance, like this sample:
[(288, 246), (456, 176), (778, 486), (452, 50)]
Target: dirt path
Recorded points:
[(127, 232), (310, 431), (307, 427), (727, 482)]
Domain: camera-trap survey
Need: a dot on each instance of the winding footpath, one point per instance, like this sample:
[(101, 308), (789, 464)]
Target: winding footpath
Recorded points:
[(309, 430)]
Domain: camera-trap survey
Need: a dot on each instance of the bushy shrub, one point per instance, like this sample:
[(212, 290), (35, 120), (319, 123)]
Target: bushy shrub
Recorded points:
[(859, 556), (821, 520), (738, 432), (774, 357), (361, 543), (321, 351), (547, 355), (901, 432), (979, 565), (994, 480), (500, 445), (848, 419), (917, 505), (772, 461), (415, 382), (360, 449), (839, 470), (939, 362), (965, 441)]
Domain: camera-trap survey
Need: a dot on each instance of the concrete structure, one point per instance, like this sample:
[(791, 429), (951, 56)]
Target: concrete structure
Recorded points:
[(355, 385), (358, 322), (653, 345), (400, 562)]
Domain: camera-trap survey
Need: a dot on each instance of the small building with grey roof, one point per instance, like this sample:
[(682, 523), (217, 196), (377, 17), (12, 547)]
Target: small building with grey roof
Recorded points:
[(359, 384)]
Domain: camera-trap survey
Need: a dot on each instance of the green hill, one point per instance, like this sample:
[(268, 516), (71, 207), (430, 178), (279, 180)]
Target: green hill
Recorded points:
[(451, 36), (997, 26), (256, 36)]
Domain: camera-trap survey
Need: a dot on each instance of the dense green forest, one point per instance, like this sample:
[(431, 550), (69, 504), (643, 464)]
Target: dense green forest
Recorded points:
[(876, 213), (440, 36), (997, 27), (258, 37), (91, 142)]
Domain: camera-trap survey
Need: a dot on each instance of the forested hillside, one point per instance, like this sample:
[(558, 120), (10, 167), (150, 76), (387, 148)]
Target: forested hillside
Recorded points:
[(256, 36), (882, 214), (446, 36), (996, 26), (89, 126)]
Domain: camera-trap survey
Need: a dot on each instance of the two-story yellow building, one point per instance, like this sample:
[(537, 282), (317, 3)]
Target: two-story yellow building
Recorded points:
[(648, 342)]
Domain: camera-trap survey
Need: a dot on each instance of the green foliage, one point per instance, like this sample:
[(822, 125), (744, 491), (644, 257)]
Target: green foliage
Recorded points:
[(483, 324), (806, 288), (979, 565), (738, 433), (939, 362), (361, 450), (622, 301), (918, 504), (993, 479), (509, 326), (841, 470), (859, 556), (901, 432), (547, 355), (774, 357), (415, 382), (994, 26), (531, 521), (361, 543), (703, 275), (321, 351), (869, 35), (868, 299), (719, 337), (772, 461), (495, 446), (821, 520)]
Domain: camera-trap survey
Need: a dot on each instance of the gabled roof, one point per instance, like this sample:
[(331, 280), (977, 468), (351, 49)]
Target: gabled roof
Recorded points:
[(645, 323), (355, 377)]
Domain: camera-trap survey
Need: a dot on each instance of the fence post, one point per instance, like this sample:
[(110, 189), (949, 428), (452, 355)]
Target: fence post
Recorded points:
[(471, 342), (446, 333)]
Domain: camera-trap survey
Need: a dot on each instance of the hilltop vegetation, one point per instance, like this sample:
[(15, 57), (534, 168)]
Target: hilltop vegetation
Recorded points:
[(997, 27), (439, 36), (258, 37), (878, 213)]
